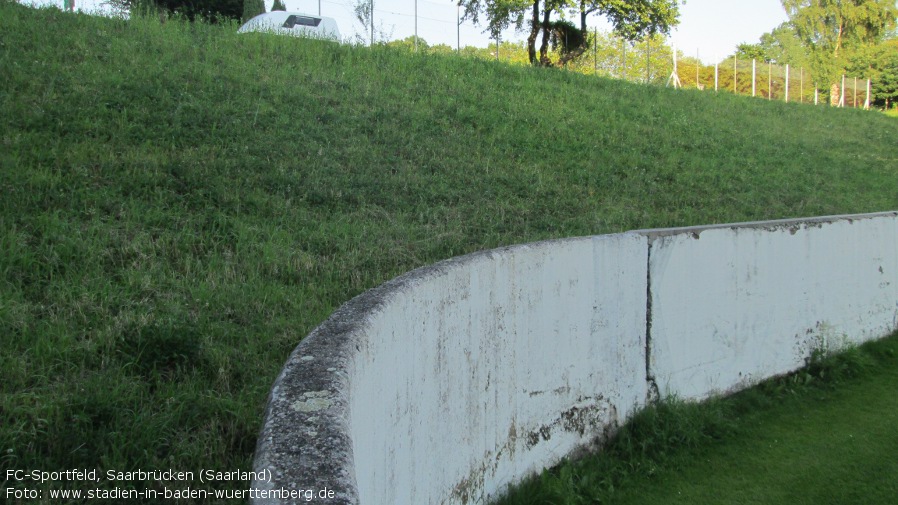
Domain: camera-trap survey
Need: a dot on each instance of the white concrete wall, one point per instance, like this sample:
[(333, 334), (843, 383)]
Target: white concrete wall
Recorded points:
[(447, 384), (731, 306), (490, 369)]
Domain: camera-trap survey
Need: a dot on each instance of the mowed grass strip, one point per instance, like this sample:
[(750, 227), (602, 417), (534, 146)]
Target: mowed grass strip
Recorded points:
[(180, 206), (825, 435)]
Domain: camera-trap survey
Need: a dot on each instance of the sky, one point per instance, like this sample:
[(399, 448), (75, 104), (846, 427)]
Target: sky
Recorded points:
[(710, 29)]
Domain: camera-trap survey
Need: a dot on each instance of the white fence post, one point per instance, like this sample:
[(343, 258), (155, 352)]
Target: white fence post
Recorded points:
[(753, 79), (867, 101), (787, 83), (842, 93), (715, 76)]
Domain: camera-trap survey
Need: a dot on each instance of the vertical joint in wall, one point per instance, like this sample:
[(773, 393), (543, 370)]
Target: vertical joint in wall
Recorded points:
[(652, 394)]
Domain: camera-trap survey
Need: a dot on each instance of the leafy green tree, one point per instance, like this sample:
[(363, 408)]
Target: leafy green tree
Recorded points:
[(693, 74), (608, 54), (782, 45), (631, 19), (879, 64), (133, 7), (278, 6), (408, 43), (735, 76), (511, 52), (752, 52), (442, 49), (604, 56), (208, 10), (649, 60), (514, 53), (830, 28), (252, 8), (885, 87), (363, 10)]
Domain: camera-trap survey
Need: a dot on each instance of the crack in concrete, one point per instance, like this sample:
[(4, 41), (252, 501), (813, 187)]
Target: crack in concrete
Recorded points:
[(652, 394)]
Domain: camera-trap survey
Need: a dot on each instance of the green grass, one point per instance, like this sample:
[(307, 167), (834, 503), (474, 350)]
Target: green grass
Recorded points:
[(180, 205), (892, 112), (824, 435)]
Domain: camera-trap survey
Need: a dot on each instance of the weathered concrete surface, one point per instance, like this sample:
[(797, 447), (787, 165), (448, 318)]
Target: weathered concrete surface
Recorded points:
[(733, 305), (447, 384), (494, 366), (450, 382)]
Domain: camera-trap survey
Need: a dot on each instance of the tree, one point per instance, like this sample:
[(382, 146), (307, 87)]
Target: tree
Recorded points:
[(131, 7), (409, 44), (442, 49), (879, 64), (752, 52), (208, 10), (364, 14), (885, 87), (605, 56), (631, 19), (252, 8), (830, 28), (278, 6), (782, 45)]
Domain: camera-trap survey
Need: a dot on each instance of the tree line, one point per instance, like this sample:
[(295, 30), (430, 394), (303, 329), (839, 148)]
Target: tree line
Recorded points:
[(823, 37), (212, 11), (831, 39)]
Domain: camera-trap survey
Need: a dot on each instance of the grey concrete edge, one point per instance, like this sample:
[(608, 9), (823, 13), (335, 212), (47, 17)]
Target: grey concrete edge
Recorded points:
[(792, 224), (305, 442)]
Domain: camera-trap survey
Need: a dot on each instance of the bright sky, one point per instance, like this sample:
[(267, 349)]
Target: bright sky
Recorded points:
[(713, 28)]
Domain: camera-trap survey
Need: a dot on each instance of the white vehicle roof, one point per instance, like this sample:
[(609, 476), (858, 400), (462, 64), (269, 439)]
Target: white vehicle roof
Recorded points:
[(297, 24)]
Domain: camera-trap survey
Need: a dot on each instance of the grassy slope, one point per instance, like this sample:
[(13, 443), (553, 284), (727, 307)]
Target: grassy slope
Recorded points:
[(180, 206)]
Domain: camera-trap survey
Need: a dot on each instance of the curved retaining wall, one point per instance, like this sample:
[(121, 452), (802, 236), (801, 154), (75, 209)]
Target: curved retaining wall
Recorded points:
[(449, 383)]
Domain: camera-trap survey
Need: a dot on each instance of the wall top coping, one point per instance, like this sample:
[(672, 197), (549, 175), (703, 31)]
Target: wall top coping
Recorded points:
[(772, 225)]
